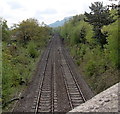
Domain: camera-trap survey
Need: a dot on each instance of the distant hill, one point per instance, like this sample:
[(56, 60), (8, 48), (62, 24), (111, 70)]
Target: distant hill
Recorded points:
[(59, 23)]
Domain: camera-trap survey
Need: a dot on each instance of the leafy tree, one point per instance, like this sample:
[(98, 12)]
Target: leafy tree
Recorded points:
[(113, 46), (27, 29), (5, 30), (79, 34), (82, 35), (76, 19), (98, 17)]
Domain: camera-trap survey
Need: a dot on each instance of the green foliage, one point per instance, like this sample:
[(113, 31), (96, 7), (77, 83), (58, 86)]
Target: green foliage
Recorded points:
[(20, 55), (113, 46), (99, 65), (82, 32), (76, 19), (5, 30), (29, 30), (32, 51), (114, 14), (14, 71), (98, 17), (95, 60), (90, 68)]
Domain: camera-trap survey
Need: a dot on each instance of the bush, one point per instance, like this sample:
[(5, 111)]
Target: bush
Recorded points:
[(32, 51), (90, 68), (113, 46)]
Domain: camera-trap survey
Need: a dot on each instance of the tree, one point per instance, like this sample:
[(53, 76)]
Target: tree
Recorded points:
[(5, 30), (98, 17), (76, 19), (27, 30), (82, 35)]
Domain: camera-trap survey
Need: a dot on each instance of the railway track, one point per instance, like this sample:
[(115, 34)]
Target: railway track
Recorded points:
[(74, 92), (46, 99), (46, 95), (57, 89)]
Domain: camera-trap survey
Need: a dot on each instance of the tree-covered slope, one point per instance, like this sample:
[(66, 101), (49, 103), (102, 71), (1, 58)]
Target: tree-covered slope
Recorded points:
[(93, 41)]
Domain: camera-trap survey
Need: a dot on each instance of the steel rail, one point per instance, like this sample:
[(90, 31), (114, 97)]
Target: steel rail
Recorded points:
[(75, 79), (65, 80), (68, 94), (41, 82)]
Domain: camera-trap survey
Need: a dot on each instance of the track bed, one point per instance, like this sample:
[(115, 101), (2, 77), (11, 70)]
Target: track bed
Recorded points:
[(56, 86)]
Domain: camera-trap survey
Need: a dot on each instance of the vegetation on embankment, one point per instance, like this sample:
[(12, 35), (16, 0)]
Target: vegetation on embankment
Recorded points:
[(22, 46), (93, 41)]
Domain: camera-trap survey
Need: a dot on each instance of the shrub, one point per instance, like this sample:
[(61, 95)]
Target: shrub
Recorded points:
[(113, 46), (32, 51)]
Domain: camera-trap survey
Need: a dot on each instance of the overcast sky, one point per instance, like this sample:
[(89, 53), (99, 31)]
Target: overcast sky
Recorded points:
[(47, 11)]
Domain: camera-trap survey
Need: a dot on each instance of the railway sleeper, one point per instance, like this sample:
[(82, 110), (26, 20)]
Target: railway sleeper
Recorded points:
[(47, 84), (71, 83), (47, 105), (45, 98), (35, 98), (47, 109), (46, 88), (75, 93), (45, 101), (55, 103), (73, 90), (44, 110), (55, 97), (55, 107), (46, 91), (55, 100), (77, 101), (35, 103), (76, 98), (33, 107), (45, 94), (55, 110)]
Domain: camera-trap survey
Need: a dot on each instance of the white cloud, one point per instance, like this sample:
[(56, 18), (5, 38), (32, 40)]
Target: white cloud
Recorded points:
[(48, 11), (14, 5)]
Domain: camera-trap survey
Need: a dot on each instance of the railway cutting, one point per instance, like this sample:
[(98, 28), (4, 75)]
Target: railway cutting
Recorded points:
[(56, 86)]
